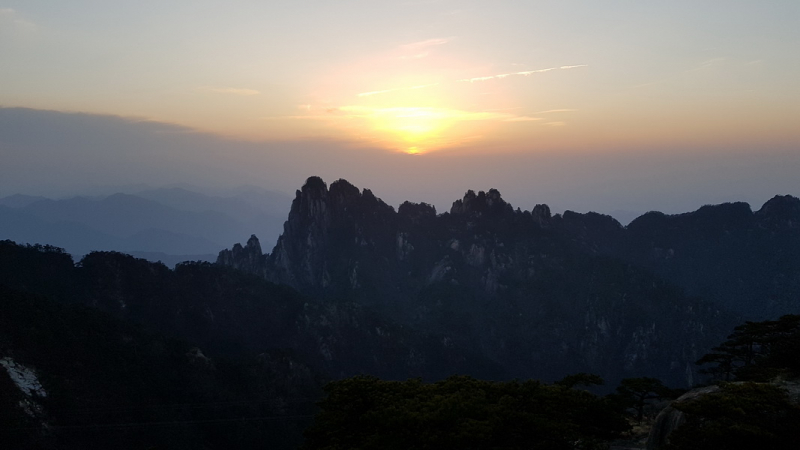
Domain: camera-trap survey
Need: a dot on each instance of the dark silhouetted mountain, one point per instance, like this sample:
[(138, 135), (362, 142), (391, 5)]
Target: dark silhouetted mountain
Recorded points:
[(538, 294), (740, 260), (172, 260), (116, 340), (743, 261), (225, 311), (90, 380)]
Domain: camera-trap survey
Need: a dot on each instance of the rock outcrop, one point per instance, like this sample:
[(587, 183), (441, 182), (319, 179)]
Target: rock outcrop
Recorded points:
[(748, 409), (249, 258), (671, 418)]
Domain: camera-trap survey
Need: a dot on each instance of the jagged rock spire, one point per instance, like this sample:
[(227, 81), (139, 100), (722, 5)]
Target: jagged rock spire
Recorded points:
[(483, 203), (248, 258)]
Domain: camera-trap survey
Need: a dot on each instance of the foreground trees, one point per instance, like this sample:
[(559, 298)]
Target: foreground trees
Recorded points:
[(461, 413), (760, 409), (757, 351), (636, 393), (739, 416)]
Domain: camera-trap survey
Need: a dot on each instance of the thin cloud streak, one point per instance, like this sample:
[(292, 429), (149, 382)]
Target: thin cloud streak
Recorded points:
[(231, 91), (475, 79), (556, 110), (524, 73), (425, 44), (522, 119), (15, 21)]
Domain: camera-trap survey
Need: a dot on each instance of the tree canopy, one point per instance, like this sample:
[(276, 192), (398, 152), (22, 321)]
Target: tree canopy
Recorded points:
[(743, 416), (461, 413), (757, 351)]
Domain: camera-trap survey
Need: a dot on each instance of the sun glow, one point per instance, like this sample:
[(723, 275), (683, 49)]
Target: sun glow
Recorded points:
[(413, 130), (417, 102), (416, 130)]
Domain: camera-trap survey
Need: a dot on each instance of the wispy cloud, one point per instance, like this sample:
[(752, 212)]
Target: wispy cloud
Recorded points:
[(420, 49), (473, 80), (522, 119), (556, 111), (231, 90), (523, 73), (416, 56), (11, 20), (416, 46)]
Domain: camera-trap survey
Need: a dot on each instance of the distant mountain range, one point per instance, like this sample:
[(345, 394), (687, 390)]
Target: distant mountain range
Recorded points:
[(168, 224)]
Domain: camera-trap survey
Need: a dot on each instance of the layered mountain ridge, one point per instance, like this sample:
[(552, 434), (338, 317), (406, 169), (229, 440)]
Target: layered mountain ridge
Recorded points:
[(540, 294)]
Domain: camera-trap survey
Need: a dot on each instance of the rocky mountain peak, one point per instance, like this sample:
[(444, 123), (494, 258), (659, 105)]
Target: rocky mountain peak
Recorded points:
[(314, 184), (324, 218), (253, 246), (481, 203), (541, 214), (416, 212), (342, 195), (311, 200), (249, 258), (782, 211)]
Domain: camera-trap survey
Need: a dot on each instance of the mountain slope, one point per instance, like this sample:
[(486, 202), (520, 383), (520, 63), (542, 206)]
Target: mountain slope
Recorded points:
[(531, 291)]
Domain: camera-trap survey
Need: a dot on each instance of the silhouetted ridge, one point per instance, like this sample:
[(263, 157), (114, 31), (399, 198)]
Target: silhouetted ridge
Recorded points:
[(249, 258), (648, 220), (314, 184), (781, 211), (541, 214), (540, 295), (416, 212), (708, 218), (482, 203), (593, 221)]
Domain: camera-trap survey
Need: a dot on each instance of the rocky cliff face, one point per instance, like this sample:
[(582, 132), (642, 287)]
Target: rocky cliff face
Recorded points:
[(744, 261), (249, 258), (540, 294), (766, 411)]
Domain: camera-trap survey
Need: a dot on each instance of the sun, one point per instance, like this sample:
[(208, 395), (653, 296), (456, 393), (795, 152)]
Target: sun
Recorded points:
[(413, 130)]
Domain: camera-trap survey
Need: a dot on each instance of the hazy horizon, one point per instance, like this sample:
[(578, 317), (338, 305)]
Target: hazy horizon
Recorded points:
[(587, 106)]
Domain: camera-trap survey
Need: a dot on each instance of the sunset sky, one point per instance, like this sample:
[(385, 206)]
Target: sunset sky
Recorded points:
[(604, 105)]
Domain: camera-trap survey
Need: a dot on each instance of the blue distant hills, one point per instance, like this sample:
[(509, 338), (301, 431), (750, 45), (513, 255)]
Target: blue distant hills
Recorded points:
[(162, 224)]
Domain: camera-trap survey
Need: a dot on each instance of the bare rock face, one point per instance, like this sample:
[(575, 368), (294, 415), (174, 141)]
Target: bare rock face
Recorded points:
[(541, 214), (249, 258), (322, 224), (780, 212), (670, 418), (481, 203)]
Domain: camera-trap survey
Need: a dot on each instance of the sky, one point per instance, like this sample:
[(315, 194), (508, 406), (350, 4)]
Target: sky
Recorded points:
[(585, 105)]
